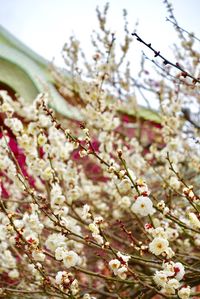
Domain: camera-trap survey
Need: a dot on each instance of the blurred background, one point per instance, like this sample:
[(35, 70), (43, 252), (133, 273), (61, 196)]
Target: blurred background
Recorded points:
[(45, 25)]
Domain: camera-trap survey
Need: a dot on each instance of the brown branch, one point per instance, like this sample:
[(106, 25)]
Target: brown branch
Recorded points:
[(176, 65)]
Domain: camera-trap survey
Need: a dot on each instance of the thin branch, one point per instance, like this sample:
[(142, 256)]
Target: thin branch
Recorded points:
[(166, 61)]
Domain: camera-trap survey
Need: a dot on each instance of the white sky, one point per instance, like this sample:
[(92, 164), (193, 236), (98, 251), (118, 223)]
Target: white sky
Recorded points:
[(45, 25)]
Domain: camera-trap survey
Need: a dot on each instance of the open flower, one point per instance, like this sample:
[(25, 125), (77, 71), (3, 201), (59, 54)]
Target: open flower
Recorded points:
[(62, 277), (114, 265), (158, 245), (184, 292), (70, 258), (160, 278), (179, 271), (124, 257), (38, 255), (121, 272), (59, 253), (143, 206)]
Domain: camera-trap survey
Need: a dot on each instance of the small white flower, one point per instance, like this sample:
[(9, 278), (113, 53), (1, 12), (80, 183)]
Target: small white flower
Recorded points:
[(169, 252), (169, 269), (174, 182), (5, 107), (143, 206), (44, 120), (94, 228), (114, 265), (173, 283), (59, 253), (47, 174), (61, 277), (74, 288), (54, 241), (124, 257), (13, 274), (159, 232), (125, 202), (158, 245), (184, 293), (15, 124), (179, 270), (98, 238), (121, 272), (98, 219), (70, 259), (124, 186), (38, 255), (161, 205), (85, 212), (142, 187), (194, 220), (169, 290), (160, 278), (41, 139), (58, 201)]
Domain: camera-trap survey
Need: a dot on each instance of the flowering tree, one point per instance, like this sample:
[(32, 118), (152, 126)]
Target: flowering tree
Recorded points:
[(134, 231)]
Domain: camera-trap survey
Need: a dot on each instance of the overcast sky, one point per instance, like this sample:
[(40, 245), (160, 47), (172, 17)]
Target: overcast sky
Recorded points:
[(45, 25)]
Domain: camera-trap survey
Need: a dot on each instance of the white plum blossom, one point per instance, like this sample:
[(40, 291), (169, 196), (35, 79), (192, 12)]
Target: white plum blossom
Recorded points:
[(121, 272), (169, 278), (70, 259), (124, 186), (7, 259), (194, 220), (47, 173), (124, 257), (143, 206), (13, 274), (63, 278), (169, 253), (93, 228), (60, 276), (179, 270), (159, 232), (142, 187), (32, 221), (160, 278), (15, 124), (85, 212), (119, 266), (38, 255), (98, 238), (114, 265), (173, 283), (59, 252), (158, 245), (184, 292), (55, 240), (125, 202), (174, 182), (42, 139)]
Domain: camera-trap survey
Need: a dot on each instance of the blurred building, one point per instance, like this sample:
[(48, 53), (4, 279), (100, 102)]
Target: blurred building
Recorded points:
[(25, 73)]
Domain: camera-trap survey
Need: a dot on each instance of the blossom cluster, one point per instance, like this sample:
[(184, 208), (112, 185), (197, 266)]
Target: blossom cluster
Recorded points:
[(103, 207)]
